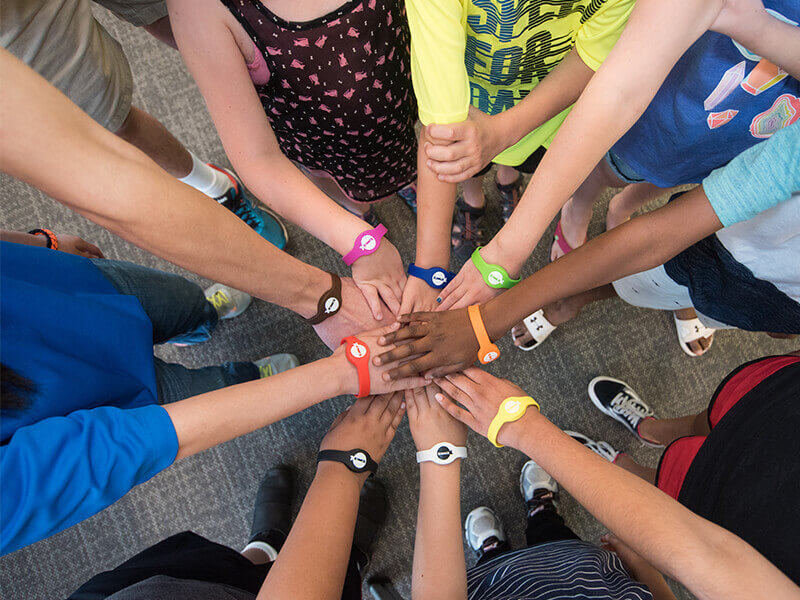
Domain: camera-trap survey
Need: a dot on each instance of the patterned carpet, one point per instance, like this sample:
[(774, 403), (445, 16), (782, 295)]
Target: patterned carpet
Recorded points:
[(212, 493)]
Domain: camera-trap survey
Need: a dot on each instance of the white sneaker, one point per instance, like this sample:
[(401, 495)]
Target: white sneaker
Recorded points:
[(481, 526), (228, 302), (603, 449), (534, 478)]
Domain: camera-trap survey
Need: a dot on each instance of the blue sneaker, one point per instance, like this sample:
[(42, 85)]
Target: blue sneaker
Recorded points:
[(262, 220)]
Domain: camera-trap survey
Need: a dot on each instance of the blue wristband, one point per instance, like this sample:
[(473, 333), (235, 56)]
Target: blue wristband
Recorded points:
[(436, 278)]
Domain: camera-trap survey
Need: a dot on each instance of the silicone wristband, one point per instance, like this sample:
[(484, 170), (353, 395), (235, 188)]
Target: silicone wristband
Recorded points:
[(366, 243), (330, 302), (510, 410), (357, 460), (442, 453), (52, 239), (494, 276), (358, 354), (487, 351), (436, 277)]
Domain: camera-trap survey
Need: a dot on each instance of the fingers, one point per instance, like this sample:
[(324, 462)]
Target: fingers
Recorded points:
[(456, 393), (464, 383), (455, 411), (440, 133), (455, 297), (411, 403), (90, 250), (373, 301), (448, 289), (390, 296), (411, 368), (408, 383), (398, 417), (409, 332), (391, 406), (415, 316), (419, 346), (454, 167), (438, 372)]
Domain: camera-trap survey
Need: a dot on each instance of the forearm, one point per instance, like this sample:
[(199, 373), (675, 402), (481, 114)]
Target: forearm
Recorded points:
[(313, 562), (18, 237), (439, 567), (435, 201), (774, 40), (622, 251), (703, 556), (209, 419)]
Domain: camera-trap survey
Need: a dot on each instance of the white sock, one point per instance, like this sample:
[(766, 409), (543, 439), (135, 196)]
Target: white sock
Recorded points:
[(207, 180), (271, 553)]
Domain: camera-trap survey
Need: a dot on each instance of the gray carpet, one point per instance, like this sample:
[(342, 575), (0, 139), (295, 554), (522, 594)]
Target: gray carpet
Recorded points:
[(212, 493)]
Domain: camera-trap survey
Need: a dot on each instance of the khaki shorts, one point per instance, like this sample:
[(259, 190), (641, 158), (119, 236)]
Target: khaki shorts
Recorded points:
[(63, 42)]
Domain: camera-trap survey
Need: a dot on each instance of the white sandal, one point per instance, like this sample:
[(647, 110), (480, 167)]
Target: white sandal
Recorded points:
[(691, 330), (539, 328)]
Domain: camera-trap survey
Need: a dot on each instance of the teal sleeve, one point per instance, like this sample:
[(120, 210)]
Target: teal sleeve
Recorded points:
[(759, 178)]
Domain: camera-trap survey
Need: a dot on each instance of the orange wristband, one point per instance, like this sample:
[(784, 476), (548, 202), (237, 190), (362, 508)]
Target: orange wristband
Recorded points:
[(358, 354), (487, 351)]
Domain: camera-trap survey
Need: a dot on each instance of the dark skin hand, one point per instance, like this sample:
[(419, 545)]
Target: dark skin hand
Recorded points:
[(437, 343)]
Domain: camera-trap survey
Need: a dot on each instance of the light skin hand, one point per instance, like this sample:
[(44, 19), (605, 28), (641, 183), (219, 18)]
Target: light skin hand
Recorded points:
[(429, 423), (418, 296), (380, 276), (466, 288), (80, 247)]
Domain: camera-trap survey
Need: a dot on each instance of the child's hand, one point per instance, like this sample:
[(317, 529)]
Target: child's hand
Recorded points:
[(480, 394), (78, 246), (459, 150), (466, 288), (370, 424), (380, 275), (429, 422), (739, 19), (418, 296), (442, 342)]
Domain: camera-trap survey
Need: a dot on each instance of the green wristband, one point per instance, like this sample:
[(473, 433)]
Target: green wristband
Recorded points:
[(494, 276)]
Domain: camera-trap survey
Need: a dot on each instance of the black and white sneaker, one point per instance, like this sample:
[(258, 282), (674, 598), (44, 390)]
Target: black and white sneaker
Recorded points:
[(602, 449), (538, 489), (616, 399)]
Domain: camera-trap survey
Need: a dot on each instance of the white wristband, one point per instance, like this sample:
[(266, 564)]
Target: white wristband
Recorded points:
[(442, 453)]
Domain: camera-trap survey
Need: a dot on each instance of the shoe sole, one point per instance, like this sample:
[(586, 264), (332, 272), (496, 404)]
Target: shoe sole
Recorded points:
[(596, 401)]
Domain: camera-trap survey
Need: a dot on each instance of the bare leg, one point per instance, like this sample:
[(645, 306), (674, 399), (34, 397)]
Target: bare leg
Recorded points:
[(698, 346), (577, 212), (630, 465), (666, 431), (629, 200), (256, 556), (473, 192), (333, 191), (162, 31), (507, 175), (151, 137)]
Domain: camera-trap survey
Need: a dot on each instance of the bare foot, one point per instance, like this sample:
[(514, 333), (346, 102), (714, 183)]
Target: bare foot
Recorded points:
[(697, 347), (574, 228), (557, 314)]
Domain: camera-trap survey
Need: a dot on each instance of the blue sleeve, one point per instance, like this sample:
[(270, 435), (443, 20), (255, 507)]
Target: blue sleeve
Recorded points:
[(759, 178), (62, 470)]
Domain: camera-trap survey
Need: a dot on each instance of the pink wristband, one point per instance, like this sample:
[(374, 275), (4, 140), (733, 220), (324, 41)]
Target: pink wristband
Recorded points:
[(367, 242)]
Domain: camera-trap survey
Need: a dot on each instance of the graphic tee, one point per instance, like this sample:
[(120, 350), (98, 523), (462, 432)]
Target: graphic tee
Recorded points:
[(718, 100), (492, 53)]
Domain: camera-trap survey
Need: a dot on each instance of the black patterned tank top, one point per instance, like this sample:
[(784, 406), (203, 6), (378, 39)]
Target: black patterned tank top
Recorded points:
[(337, 91)]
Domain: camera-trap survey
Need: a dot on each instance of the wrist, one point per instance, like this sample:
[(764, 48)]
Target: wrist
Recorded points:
[(517, 433), (430, 470), (492, 313), (347, 232), (332, 470), (506, 129), (308, 295), (497, 253), (342, 375)]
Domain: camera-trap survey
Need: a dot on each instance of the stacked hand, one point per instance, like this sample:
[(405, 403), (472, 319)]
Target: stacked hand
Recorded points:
[(418, 296), (429, 422), (466, 288), (380, 276)]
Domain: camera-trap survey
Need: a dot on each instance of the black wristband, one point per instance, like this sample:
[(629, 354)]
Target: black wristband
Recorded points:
[(357, 460), (330, 302)]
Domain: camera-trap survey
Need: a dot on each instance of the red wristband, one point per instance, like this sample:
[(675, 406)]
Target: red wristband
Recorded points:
[(358, 354)]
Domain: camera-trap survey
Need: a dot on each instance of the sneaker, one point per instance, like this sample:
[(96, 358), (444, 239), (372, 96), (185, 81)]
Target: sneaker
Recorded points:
[(467, 234), (409, 195), (538, 488), (616, 399), (373, 508), (603, 449), (483, 530), (228, 302), (262, 220), (272, 513), (509, 196), (276, 363)]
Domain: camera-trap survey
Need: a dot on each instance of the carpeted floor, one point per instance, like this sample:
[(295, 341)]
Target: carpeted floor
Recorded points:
[(212, 493)]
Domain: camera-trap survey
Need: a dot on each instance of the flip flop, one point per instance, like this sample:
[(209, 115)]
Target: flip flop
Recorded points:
[(559, 239), (691, 330), (539, 328)]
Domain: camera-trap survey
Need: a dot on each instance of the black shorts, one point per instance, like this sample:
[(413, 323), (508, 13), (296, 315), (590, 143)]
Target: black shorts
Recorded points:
[(528, 165)]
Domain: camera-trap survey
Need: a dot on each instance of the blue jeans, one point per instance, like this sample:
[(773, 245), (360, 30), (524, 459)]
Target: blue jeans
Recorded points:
[(180, 313)]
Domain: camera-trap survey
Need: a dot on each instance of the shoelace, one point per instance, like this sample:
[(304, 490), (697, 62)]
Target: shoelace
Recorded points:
[(603, 449), (219, 299), (629, 408), (265, 370), (241, 207)]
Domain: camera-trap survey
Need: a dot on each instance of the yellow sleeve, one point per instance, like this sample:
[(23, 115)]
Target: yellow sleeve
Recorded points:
[(597, 36), (438, 39)]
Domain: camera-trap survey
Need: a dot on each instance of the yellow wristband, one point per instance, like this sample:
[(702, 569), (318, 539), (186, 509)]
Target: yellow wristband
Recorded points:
[(511, 409)]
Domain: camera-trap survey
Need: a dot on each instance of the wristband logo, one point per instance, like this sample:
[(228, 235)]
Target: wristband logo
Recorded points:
[(439, 278), (490, 356), (357, 350), (443, 453), (495, 278), (512, 407), (358, 460), (331, 305), (368, 243)]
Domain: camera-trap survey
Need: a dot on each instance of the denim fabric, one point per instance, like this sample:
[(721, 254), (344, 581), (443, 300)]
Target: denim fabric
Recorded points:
[(179, 313)]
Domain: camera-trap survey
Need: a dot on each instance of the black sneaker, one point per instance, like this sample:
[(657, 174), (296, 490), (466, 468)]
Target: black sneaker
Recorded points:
[(509, 196), (373, 507), (616, 399), (272, 513), (467, 234)]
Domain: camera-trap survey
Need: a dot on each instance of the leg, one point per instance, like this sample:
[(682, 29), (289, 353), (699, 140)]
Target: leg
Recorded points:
[(506, 175), (473, 192), (151, 137), (630, 465), (176, 306), (176, 382), (540, 491), (162, 31), (629, 200), (666, 431), (547, 526), (698, 346)]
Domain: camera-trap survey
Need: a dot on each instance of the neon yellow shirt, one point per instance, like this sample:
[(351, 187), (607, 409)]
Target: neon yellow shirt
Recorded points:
[(492, 53)]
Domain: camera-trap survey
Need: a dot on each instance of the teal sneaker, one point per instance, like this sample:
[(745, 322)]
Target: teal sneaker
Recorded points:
[(277, 363), (262, 220)]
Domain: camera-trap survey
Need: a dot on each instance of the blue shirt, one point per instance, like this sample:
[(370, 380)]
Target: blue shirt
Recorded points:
[(706, 111), (89, 351)]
